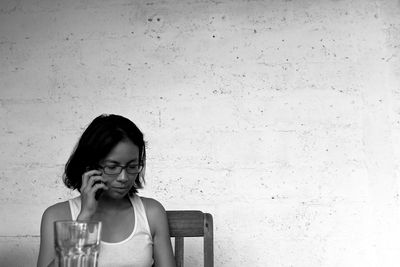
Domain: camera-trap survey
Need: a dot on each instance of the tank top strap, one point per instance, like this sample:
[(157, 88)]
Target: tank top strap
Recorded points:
[(142, 222), (75, 207)]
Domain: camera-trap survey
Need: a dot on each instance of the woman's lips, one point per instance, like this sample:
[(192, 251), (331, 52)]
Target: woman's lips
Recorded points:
[(120, 188)]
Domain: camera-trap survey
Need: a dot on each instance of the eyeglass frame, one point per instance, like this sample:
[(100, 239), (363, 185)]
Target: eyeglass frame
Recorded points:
[(140, 167)]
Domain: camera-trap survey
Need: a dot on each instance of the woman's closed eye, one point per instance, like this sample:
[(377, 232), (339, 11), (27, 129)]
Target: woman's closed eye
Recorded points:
[(111, 167), (133, 167)]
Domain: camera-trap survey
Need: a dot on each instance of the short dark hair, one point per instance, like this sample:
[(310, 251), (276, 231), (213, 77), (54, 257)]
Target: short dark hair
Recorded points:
[(97, 141)]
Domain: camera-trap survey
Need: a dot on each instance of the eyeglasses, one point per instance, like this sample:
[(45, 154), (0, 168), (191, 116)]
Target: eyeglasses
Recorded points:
[(117, 169)]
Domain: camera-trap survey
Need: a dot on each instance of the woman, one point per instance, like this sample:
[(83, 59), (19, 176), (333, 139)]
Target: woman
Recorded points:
[(107, 167)]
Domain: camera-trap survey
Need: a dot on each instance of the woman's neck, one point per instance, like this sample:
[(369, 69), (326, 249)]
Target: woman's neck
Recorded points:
[(111, 204)]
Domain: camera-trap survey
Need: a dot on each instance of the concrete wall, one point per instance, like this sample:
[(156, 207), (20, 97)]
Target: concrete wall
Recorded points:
[(281, 118)]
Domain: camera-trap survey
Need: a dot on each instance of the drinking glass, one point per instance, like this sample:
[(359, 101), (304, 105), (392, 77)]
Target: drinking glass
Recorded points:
[(77, 243)]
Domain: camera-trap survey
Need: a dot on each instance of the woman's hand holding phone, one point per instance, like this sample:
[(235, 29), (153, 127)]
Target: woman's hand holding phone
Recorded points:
[(92, 185)]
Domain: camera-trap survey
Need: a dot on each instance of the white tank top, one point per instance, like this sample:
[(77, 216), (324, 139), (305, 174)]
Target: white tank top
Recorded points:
[(134, 251)]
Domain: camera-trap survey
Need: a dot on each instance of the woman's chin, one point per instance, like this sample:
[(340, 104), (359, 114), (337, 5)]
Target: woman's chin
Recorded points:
[(116, 193)]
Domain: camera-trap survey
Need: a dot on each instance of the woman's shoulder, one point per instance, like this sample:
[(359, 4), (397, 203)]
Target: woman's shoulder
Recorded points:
[(152, 206), (156, 215), (58, 211)]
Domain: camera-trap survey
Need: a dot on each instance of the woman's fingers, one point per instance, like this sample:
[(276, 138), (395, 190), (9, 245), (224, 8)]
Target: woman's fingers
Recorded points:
[(87, 177), (98, 186), (94, 180)]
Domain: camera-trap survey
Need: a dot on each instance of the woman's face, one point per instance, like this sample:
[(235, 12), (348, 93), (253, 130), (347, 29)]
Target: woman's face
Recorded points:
[(125, 154)]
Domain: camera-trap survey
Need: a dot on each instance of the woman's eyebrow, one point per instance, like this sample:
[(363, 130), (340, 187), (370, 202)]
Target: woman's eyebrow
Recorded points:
[(110, 161), (117, 162)]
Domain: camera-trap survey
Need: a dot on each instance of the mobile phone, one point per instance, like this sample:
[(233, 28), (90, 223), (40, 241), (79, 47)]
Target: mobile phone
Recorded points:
[(99, 191)]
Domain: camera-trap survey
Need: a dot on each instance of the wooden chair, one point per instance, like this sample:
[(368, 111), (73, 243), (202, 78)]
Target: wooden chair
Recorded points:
[(192, 223)]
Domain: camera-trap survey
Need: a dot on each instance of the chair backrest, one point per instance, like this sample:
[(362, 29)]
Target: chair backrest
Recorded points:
[(192, 223)]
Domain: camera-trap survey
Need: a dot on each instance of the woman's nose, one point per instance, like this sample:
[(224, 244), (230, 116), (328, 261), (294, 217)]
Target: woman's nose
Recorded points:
[(122, 176)]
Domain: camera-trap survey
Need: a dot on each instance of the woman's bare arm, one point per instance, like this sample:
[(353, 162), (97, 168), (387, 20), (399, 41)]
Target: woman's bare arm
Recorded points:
[(162, 248), (59, 211)]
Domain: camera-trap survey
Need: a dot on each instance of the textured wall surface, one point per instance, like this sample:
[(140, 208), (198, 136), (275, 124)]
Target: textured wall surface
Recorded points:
[(281, 118)]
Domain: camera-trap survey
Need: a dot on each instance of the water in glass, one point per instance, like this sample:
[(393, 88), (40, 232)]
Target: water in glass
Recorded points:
[(77, 244)]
